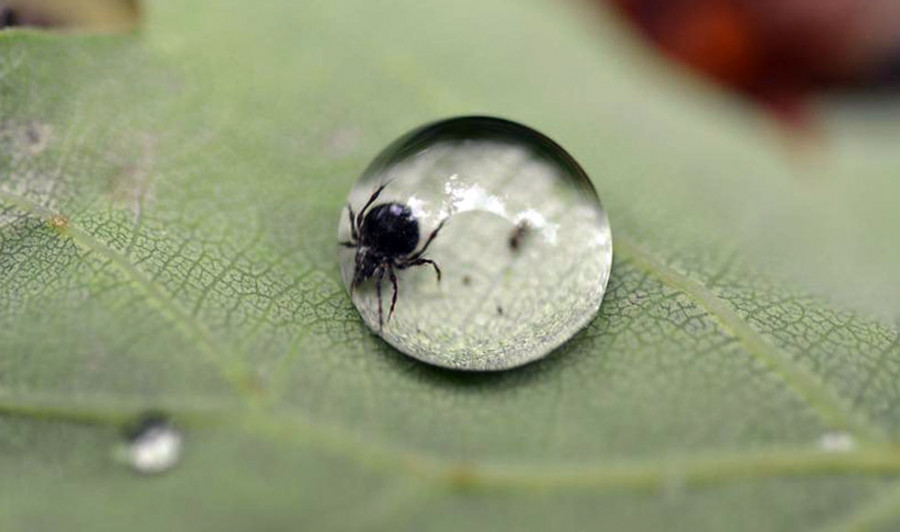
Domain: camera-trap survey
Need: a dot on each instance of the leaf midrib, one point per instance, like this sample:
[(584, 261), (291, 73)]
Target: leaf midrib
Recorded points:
[(613, 475)]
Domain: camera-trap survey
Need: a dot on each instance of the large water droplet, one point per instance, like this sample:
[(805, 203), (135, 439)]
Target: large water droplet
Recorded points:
[(153, 445), (525, 247)]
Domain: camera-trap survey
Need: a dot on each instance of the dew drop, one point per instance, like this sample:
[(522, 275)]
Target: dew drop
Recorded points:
[(837, 442), (152, 444), (523, 230)]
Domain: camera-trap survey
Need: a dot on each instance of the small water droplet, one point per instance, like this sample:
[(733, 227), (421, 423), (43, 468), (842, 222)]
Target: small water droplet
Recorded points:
[(510, 212), (837, 442), (152, 444)]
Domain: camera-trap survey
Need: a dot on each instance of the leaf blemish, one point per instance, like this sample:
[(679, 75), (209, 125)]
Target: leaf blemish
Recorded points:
[(26, 139), (58, 222), (131, 187)]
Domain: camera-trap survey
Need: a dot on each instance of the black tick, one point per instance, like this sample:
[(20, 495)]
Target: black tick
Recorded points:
[(385, 238)]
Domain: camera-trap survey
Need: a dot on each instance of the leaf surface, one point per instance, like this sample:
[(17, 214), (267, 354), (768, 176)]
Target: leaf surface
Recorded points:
[(168, 208)]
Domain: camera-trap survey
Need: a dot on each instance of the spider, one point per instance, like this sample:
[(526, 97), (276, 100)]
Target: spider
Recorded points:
[(385, 239)]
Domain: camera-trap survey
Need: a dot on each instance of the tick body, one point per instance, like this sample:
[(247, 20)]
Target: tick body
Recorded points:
[(385, 237)]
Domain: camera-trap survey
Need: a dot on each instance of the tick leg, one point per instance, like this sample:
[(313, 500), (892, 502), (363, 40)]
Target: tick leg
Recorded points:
[(378, 292), (433, 234), (348, 244), (354, 235), (372, 198), (418, 262), (393, 277)]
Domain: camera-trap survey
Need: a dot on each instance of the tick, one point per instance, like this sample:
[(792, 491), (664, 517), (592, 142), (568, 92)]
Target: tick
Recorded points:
[(385, 238)]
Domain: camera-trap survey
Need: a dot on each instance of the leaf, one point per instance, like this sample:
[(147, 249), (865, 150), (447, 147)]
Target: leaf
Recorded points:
[(169, 200)]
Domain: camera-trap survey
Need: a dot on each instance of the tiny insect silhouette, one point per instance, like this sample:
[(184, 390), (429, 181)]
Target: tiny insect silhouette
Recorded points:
[(385, 238), (518, 235)]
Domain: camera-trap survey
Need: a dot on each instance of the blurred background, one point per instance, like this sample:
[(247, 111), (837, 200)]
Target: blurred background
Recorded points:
[(778, 52)]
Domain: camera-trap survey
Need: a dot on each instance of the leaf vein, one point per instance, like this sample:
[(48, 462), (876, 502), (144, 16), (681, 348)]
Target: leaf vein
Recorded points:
[(628, 475), (828, 406), (234, 373)]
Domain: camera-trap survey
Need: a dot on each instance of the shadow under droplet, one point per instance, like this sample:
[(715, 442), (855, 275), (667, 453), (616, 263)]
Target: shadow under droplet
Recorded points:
[(570, 353), (495, 381)]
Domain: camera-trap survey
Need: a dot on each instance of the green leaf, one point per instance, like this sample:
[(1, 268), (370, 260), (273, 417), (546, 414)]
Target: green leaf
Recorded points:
[(168, 208)]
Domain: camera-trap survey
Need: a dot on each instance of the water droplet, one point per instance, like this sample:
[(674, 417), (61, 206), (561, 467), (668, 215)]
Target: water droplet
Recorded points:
[(837, 442), (519, 227), (153, 445)]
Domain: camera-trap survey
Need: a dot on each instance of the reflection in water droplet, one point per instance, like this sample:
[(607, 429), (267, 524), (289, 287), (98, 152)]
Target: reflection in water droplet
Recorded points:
[(525, 250), (153, 445)]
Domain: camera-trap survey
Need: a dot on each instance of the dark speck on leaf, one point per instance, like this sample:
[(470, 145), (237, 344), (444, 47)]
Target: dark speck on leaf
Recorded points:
[(466, 280)]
